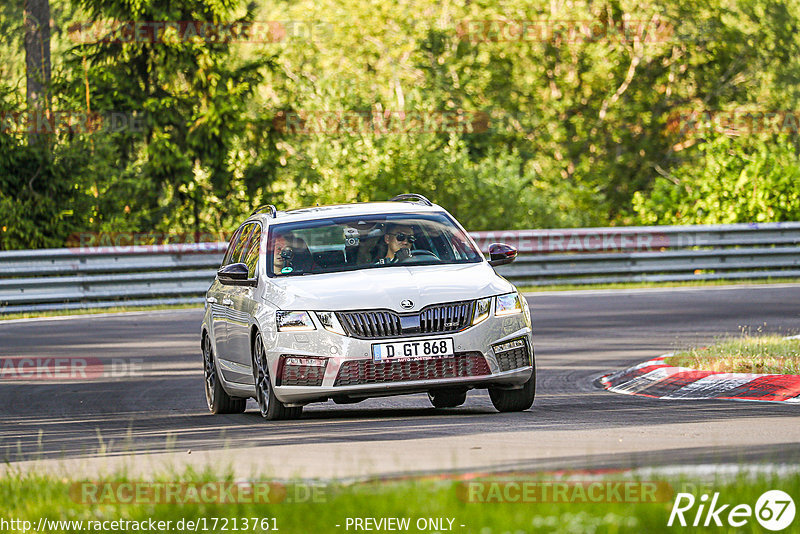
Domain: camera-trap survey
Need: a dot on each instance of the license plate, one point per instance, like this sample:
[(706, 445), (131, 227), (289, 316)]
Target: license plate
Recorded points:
[(416, 349)]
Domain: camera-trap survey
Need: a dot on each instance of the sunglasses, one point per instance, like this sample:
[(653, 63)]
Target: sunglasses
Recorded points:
[(404, 237)]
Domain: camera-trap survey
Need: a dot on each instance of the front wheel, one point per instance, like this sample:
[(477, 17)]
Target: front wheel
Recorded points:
[(217, 398), (271, 408), (515, 400)]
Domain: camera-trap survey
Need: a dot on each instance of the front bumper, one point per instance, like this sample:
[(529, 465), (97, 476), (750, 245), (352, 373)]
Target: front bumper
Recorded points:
[(350, 373)]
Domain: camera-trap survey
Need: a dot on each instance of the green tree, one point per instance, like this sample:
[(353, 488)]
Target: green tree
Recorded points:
[(734, 181), (584, 115), (188, 102)]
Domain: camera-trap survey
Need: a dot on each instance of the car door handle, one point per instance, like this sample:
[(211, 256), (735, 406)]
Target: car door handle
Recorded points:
[(227, 302), (211, 300)]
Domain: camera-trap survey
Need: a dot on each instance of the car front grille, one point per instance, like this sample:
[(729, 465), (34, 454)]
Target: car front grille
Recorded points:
[(513, 359), (462, 364), (435, 319), (443, 318), (371, 324), (299, 375)]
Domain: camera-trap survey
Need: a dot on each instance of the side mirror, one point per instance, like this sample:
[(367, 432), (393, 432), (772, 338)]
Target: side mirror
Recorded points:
[(500, 254), (235, 274)]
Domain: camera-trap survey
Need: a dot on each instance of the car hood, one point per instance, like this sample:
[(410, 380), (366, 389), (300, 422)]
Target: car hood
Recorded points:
[(386, 287)]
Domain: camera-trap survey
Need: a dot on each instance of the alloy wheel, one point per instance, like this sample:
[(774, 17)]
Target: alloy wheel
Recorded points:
[(262, 377), (210, 371)]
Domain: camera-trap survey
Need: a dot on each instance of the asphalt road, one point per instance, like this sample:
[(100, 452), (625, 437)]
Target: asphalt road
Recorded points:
[(151, 417)]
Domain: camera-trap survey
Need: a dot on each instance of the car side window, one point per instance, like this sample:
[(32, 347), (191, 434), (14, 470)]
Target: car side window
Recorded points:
[(234, 253), (226, 260), (250, 254)]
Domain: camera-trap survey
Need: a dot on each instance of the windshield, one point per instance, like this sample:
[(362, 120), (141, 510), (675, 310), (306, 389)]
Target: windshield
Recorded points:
[(367, 242)]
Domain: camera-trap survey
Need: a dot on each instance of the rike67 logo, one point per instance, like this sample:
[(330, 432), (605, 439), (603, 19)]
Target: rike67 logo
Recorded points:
[(774, 510)]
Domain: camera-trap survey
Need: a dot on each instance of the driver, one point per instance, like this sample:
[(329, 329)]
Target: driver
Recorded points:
[(279, 262), (290, 255), (397, 238)]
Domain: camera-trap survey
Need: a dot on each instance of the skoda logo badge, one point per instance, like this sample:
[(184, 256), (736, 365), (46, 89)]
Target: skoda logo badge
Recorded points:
[(407, 304)]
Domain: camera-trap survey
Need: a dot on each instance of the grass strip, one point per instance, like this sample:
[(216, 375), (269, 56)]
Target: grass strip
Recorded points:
[(94, 311), (438, 505), (656, 285), (765, 354)]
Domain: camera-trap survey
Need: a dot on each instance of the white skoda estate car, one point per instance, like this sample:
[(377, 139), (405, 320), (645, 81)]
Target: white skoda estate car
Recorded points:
[(363, 300)]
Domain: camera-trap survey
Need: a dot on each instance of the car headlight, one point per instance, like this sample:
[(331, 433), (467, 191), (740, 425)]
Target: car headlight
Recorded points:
[(482, 307), (294, 321), (526, 313), (508, 304), (330, 322)]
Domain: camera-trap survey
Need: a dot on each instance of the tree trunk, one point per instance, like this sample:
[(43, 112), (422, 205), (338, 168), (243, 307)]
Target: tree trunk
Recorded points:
[(37, 67)]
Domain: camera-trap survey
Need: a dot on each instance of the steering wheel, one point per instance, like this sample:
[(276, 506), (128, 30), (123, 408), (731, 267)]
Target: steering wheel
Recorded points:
[(417, 253)]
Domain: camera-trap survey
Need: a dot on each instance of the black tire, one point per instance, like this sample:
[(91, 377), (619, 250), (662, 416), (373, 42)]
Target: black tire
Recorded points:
[(515, 400), (217, 398), (447, 398), (271, 408)]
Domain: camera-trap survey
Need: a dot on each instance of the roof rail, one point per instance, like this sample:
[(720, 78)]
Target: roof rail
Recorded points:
[(272, 210), (411, 197)]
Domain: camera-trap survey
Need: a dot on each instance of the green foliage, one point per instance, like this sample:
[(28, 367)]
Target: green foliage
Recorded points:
[(481, 503), (440, 168), (37, 196), (575, 131), (734, 181), (191, 95), (12, 66), (577, 127)]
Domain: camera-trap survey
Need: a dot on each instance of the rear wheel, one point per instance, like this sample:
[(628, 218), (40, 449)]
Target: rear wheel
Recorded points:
[(515, 400), (217, 398), (447, 398), (271, 408)]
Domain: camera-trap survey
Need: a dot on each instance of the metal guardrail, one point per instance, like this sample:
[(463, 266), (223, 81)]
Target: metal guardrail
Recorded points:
[(650, 253), (102, 277), (98, 277)]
